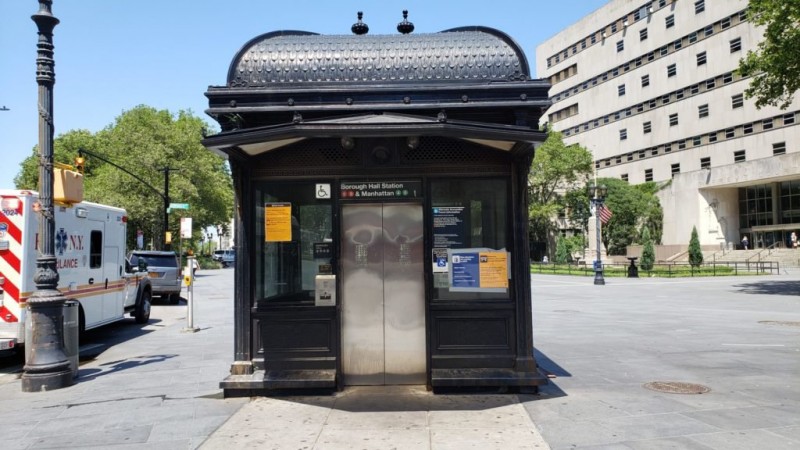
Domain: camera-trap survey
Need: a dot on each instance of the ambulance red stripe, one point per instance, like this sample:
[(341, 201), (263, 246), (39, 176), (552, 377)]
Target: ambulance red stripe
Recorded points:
[(12, 260), (13, 230), (7, 316)]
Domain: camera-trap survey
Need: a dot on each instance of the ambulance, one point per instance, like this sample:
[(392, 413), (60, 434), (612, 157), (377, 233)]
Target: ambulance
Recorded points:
[(90, 259)]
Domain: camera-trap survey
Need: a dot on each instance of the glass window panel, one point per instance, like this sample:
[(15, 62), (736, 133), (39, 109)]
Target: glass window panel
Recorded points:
[(484, 223)]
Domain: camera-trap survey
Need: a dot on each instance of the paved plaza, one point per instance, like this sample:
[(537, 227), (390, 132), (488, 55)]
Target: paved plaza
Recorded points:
[(156, 386)]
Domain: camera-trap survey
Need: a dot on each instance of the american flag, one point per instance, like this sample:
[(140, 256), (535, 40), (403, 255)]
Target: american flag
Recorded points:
[(605, 214)]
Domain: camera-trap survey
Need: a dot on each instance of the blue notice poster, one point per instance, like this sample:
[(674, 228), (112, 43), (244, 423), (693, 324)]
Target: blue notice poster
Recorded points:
[(465, 271)]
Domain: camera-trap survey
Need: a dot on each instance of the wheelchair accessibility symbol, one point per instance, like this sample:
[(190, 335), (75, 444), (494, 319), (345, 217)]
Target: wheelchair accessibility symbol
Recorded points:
[(323, 191)]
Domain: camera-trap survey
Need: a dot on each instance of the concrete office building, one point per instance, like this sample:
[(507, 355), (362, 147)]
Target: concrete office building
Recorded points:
[(651, 89)]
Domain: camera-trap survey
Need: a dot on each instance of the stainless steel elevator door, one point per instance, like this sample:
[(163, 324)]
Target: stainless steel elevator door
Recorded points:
[(383, 294)]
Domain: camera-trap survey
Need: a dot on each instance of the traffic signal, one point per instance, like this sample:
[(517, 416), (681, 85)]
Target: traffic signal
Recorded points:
[(80, 163), (168, 237)]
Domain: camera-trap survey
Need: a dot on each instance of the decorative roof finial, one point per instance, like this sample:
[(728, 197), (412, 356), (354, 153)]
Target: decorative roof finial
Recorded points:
[(359, 27), (405, 26)]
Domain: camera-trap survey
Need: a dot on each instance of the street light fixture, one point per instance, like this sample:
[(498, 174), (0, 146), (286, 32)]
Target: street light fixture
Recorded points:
[(46, 366), (597, 196)]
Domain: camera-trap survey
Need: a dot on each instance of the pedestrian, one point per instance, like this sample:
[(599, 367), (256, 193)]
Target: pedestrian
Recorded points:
[(544, 259), (744, 242), (794, 239)]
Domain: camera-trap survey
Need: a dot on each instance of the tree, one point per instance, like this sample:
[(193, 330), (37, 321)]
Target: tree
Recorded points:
[(648, 253), (144, 140), (775, 66), (562, 253), (633, 208), (557, 169), (695, 253)]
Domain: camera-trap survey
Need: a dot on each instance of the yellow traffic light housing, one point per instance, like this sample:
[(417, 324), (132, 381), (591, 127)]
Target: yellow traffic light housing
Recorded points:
[(80, 163)]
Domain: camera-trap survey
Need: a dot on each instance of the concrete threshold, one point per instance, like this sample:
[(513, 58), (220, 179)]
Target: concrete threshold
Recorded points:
[(381, 417)]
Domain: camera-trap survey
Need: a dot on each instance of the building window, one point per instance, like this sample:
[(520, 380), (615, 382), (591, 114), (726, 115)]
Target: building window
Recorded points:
[(766, 124), (701, 58), (670, 21), (727, 78), (664, 50), (693, 37), (739, 156), (681, 145), (620, 46), (699, 6), (694, 89), (710, 84), (652, 103), (677, 44), (712, 137), (737, 101), (730, 133), (646, 127), (709, 30), (654, 151), (583, 44), (725, 23), (642, 154), (614, 27), (667, 148), (788, 119), (672, 70), (643, 34), (705, 163), (673, 119), (621, 90), (665, 99), (624, 177), (662, 3), (702, 111), (679, 94), (648, 175), (593, 38), (675, 169), (623, 134), (697, 141), (779, 148), (630, 157), (736, 45), (748, 128)]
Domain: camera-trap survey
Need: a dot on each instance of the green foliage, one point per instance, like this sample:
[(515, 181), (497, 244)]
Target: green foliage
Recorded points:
[(562, 252), (695, 253), (144, 140), (775, 66), (648, 253), (633, 208), (556, 169)]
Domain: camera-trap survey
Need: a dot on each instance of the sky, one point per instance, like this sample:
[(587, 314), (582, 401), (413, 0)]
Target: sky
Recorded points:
[(113, 55)]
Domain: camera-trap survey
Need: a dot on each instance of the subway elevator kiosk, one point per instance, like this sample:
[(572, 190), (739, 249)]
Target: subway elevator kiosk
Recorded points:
[(381, 209)]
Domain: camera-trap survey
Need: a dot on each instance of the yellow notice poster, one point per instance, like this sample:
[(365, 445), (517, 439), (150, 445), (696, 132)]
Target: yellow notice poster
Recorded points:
[(493, 269), (278, 222)]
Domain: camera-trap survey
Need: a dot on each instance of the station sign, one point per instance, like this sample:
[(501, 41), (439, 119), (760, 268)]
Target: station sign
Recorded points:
[(380, 190)]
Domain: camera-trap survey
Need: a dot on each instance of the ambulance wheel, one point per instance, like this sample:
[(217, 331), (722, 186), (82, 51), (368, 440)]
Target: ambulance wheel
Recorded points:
[(142, 312)]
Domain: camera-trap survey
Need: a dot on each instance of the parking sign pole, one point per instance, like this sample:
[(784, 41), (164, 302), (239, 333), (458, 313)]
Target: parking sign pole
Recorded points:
[(188, 279)]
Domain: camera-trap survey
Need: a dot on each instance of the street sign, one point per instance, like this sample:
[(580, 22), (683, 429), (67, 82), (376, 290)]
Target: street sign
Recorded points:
[(186, 227), (179, 206)]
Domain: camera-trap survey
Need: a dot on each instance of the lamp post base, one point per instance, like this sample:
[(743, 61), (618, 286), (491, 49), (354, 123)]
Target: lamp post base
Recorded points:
[(598, 277), (43, 382)]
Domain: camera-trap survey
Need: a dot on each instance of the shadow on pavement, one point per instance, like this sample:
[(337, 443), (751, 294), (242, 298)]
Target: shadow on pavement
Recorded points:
[(123, 364), (770, 287)]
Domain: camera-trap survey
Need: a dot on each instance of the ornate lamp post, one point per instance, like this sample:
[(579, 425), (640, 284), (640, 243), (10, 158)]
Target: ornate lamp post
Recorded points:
[(597, 195), (47, 367)]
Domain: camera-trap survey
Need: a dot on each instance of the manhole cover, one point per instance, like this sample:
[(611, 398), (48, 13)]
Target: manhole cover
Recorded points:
[(677, 387), (780, 322)]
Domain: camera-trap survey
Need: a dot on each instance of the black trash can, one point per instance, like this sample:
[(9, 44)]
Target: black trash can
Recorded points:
[(71, 328)]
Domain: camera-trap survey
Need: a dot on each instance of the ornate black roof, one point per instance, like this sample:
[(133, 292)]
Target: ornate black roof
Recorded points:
[(467, 54)]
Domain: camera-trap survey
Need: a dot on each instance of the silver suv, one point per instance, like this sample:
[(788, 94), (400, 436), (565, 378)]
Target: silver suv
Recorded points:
[(163, 271)]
